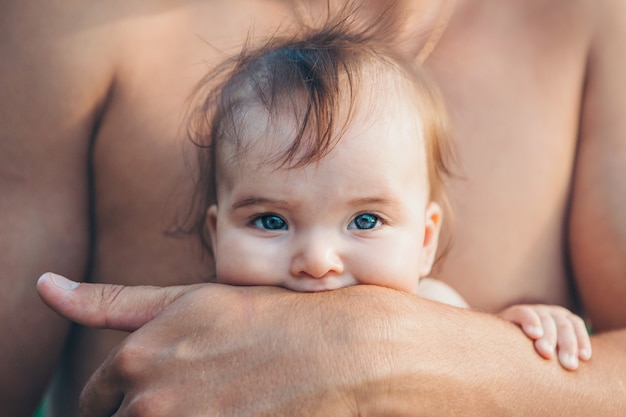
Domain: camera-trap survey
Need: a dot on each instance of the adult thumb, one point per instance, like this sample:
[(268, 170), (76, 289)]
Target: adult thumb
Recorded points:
[(106, 306)]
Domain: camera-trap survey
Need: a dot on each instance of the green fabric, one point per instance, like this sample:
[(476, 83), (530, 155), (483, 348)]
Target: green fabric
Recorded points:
[(40, 411)]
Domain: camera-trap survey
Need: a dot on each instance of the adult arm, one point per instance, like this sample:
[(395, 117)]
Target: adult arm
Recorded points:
[(48, 100), (598, 220), (235, 351), (597, 229)]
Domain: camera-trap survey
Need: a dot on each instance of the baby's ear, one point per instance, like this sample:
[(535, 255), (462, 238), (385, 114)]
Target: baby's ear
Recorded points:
[(211, 223), (432, 226)]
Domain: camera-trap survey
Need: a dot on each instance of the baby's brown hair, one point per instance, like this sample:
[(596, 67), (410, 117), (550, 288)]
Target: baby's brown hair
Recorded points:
[(316, 74)]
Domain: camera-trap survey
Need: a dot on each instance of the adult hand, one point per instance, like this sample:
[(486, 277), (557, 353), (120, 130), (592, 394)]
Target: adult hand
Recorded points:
[(211, 349)]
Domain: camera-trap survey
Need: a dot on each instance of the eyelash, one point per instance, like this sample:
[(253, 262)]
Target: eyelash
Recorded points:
[(254, 221), (264, 216), (379, 221)]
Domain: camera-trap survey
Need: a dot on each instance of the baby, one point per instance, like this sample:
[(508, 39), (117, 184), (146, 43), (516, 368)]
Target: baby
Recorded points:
[(322, 161)]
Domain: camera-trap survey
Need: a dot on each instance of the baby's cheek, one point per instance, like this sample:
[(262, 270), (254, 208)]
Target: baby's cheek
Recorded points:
[(390, 272), (228, 270), (240, 262), (400, 282)]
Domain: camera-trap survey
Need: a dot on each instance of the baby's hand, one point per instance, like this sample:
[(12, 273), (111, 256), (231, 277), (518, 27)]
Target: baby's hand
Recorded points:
[(553, 328)]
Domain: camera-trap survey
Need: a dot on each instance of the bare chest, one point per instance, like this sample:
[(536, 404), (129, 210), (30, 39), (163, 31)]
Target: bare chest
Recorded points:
[(514, 88), (143, 160), (514, 95)]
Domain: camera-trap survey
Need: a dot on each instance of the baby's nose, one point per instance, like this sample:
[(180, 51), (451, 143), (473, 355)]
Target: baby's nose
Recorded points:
[(316, 260)]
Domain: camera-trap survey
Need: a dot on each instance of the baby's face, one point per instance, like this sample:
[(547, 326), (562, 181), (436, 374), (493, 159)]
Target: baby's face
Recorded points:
[(360, 215)]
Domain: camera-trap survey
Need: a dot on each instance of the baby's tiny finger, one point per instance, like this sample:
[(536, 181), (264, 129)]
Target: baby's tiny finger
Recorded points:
[(546, 345), (527, 318), (582, 335), (531, 325), (567, 343)]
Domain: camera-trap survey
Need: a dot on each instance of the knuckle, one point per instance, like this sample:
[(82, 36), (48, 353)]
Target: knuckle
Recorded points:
[(149, 404), (129, 360), (143, 406)]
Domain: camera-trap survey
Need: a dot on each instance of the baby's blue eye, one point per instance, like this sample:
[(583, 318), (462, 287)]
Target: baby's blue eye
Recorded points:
[(270, 222), (364, 222)]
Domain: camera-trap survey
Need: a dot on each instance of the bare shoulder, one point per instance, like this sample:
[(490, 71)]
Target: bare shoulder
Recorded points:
[(513, 75), (57, 72)]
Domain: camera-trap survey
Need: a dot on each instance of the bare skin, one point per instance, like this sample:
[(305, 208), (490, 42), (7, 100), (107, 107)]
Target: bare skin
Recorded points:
[(513, 74)]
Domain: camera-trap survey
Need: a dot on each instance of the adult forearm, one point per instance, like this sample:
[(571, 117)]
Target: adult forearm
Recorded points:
[(451, 362), (363, 351)]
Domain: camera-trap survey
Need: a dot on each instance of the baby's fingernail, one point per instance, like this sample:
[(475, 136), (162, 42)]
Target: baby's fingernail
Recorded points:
[(534, 331), (584, 354), (61, 282), (568, 361), (545, 347)]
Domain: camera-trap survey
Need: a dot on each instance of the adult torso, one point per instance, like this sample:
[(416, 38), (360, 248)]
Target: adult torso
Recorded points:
[(511, 72)]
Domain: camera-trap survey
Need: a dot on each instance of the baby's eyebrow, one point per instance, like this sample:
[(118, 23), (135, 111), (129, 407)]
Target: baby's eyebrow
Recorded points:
[(257, 201), (362, 201)]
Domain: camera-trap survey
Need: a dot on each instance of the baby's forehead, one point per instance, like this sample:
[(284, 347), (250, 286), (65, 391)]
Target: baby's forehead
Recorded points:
[(271, 144), (384, 142), (268, 133)]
